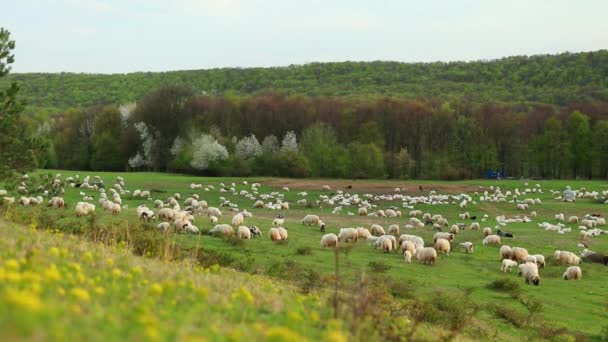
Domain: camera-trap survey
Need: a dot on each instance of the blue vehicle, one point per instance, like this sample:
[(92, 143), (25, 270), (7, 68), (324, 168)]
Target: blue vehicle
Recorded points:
[(495, 174)]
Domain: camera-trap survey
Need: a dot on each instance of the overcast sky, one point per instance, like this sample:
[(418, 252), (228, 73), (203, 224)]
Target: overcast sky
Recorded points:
[(115, 36)]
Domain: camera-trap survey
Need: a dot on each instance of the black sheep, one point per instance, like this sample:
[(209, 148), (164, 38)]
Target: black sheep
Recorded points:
[(504, 234)]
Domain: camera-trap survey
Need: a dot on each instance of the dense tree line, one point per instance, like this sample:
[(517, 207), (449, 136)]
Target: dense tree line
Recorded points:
[(555, 79), (173, 129)]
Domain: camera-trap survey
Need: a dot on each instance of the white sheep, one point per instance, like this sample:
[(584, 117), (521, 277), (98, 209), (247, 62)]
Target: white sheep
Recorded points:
[(393, 229), (238, 220), (243, 233), (530, 258), (540, 260), (363, 233), (573, 273), (164, 226), (407, 256), (475, 226), (223, 229), (443, 246), (385, 243), (408, 246), (567, 257), (468, 246), (440, 235), (491, 240), (283, 233), (427, 255), (507, 264), (329, 240), (362, 211), (348, 234), (519, 254), (311, 220), (486, 231), (417, 240), (376, 230), (213, 211), (278, 221), (529, 271)]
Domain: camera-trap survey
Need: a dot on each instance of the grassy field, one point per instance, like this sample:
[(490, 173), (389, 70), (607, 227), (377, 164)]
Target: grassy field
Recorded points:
[(581, 307)]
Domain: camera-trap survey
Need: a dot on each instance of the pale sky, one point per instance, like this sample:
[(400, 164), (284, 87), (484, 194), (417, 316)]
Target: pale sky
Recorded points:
[(116, 36)]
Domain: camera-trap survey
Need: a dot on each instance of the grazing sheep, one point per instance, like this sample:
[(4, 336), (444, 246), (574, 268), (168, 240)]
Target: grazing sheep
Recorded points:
[(393, 229), (166, 214), (427, 256), (504, 234), (529, 271), (507, 264), (347, 234), (443, 246), (475, 226), (447, 236), (519, 254), (408, 246), (362, 211), (213, 211), (116, 209), (573, 219), (283, 233), (243, 233), (164, 226), (573, 273), (84, 209), (377, 230), (255, 231), (329, 240), (258, 204), (213, 219), (491, 240), (407, 256), (468, 246), (530, 258), (566, 257), (454, 229), (391, 238), (486, 231), (311, 220), (540, 260), (222, 229), (386, 244), (238, 219), (326, 188), (279, 221), (363, 233), (56, 202), (417, 240)]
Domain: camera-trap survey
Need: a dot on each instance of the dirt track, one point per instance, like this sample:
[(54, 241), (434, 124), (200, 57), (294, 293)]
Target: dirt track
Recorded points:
[(365, 186)]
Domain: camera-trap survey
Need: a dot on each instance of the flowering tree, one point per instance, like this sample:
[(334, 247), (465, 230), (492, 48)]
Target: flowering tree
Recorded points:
[(147, 142), (248, 147), (290, 142), (206, 150), (270, 144), (126, 110), (178, 146)]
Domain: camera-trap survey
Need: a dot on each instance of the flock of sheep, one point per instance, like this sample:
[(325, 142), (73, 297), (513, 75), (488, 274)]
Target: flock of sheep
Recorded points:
[(173, 213)]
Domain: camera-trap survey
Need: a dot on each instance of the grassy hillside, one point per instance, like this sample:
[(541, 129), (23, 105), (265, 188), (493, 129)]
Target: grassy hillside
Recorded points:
[(56, 287), (556, 79), (459, 285)]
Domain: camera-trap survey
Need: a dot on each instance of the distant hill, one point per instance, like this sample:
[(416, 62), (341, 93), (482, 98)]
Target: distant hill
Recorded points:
[(555, 79)]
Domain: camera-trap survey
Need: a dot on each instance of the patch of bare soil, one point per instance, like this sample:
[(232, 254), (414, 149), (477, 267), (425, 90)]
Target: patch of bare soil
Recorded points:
[(368, 186)]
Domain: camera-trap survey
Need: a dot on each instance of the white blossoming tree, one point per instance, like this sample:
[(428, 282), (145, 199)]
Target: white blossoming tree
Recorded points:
[(205, 151), (290, 143), (248, 147), (143, 158), (178, 146)]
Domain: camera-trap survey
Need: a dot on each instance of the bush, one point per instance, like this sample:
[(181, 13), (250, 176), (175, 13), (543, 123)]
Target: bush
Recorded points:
[(508, 285), (306, 250), (378, 267)]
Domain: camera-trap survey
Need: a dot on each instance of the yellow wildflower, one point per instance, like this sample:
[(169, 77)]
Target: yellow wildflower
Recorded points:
[(23, 299), (53, 251), (12, 264), (80, 294), (156, 288)]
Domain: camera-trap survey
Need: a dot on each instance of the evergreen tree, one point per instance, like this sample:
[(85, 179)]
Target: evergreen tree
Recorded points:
[(16, 153)]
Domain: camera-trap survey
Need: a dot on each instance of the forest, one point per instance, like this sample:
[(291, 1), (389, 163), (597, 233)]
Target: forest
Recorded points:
[(556, 79), (540, 116), (171, 129)]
